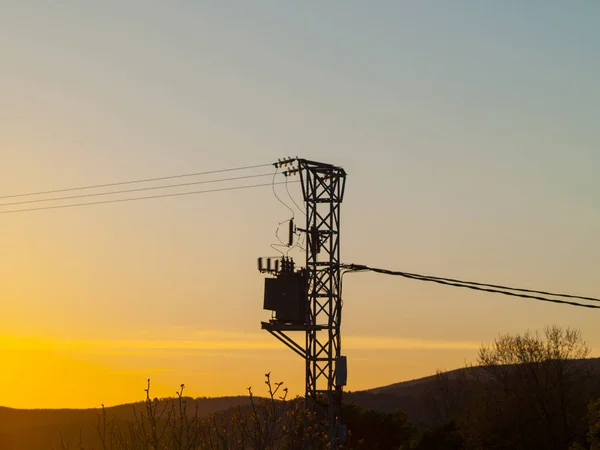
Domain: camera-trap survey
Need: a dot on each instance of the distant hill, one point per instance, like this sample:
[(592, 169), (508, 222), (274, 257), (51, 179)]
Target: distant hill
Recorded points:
[(41, 429), (29, 429), (420, 384), (413, 396)]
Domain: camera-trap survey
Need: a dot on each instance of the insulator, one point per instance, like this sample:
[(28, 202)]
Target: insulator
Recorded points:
[(269, 264), (291, 233), (260, 264), (276, 266)]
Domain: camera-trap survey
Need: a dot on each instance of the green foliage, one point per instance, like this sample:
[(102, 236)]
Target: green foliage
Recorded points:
[(592, 441), (376, 430), (594, 422), (530, 391), (447, 437)]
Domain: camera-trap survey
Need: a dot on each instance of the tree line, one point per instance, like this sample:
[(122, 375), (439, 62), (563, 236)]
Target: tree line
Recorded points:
[(537, 390)]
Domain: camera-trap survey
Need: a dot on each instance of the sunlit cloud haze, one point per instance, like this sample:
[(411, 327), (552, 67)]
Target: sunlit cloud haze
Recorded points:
[(214, 341), (469, 132), (127, 362)]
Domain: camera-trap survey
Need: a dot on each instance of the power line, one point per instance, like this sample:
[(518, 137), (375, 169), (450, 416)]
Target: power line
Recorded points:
[(122, 200), (277, 196), (451, 280), (144, 180), (292, 198), (487, 285), (497, 289), (512, 294), (150, 188)]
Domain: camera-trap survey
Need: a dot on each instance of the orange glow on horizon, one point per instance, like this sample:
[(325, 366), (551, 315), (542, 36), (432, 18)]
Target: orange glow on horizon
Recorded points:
[(56, 373)]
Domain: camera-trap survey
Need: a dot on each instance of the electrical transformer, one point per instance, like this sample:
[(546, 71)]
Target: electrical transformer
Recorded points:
[(286, 296)]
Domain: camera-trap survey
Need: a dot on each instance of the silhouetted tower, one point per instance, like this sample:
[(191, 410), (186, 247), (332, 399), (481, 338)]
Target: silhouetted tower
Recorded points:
[(308, 299)]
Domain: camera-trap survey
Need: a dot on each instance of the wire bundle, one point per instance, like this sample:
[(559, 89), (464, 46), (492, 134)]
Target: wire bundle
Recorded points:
[(484, 287)]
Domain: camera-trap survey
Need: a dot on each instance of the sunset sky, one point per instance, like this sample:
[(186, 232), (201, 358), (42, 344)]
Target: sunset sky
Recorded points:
[(469, 131)]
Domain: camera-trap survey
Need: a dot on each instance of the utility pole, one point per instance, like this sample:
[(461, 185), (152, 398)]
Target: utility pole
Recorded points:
[(308, 299)]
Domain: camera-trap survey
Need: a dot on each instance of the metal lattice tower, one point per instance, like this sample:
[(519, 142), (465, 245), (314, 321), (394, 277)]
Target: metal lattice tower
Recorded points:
[(323, 188)]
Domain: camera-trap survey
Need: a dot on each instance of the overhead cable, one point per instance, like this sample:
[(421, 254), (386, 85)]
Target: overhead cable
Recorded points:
[(150, 188), (122, 200), (277, 196), (292, 198), (144, 180), (531, 291), (497, 289)]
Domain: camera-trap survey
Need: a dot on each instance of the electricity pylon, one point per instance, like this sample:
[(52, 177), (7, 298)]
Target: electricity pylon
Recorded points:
[(319, 310)]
